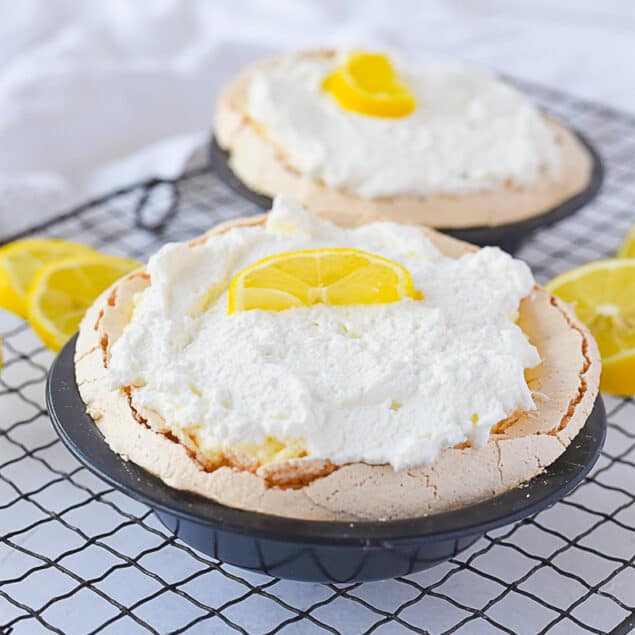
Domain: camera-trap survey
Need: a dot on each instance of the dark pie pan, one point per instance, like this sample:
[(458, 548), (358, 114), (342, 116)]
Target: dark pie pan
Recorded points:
[(312, 550), (509, 236)]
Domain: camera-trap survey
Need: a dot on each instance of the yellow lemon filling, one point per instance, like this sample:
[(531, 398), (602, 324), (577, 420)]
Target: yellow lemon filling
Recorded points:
[(335, 276), (367, 83), (270, 452), (273, 450)]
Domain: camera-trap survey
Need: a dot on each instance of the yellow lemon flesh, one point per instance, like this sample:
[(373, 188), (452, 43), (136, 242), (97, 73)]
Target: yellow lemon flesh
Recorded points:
[(627, 249), (335, 276), (367, 83), (603, 295), (62, 290), (20, 260)]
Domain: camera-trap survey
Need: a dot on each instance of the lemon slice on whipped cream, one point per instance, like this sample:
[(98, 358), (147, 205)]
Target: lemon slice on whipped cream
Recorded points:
[(335, 276), (367, 83)]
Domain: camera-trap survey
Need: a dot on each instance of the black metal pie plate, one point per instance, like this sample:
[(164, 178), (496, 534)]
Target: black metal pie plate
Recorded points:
[(508, 236), (311, 550)]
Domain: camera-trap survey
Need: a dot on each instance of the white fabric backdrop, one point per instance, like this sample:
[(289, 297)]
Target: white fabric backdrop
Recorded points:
[(95, 95)]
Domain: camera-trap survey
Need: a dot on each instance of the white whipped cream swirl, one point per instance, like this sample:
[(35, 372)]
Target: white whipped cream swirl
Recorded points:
[(470, 131), (393, 383)]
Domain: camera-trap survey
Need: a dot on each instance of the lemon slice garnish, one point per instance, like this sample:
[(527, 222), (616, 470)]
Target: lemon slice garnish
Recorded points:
[(603, 294), (627, 248), (62, 290), (21, 259), (335, 276), (367, 83)]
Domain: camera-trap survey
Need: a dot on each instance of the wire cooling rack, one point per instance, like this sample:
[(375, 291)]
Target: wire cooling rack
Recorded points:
[(78, 557)]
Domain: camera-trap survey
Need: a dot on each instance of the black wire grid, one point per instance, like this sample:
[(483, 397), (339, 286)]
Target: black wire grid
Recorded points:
[(78, 557)]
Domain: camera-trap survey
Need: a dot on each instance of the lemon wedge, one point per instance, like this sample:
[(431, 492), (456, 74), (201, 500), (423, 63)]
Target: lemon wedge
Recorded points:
[(627, 249), (367, 83), (62, 290), (333, 276), (20, 260), (603, 295), (273, 450)]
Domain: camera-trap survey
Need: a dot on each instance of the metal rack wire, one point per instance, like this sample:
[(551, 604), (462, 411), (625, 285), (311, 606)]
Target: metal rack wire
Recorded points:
[(78, 557)]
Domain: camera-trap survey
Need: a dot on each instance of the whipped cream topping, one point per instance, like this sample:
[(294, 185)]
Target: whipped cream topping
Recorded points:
[(392, 383), (470, 131)]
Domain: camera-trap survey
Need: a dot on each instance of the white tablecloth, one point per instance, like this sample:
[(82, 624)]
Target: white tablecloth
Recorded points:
[(96, 95)]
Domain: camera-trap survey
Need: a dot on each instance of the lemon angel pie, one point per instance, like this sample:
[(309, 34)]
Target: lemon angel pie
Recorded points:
[(287, 365), (358, 137)]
